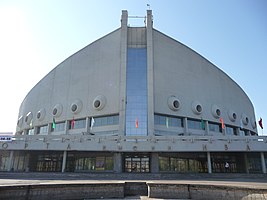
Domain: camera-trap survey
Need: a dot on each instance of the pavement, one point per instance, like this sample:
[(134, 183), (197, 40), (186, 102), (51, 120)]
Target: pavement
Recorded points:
[(258, 181)]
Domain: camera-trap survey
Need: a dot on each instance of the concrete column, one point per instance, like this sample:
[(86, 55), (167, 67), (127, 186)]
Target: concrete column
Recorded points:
[(10, 161), (150, 74), (117, 162), (263, 163), (154, 162), (209, 163), (64, 159), (207, 131), (185, 126), (123, 63), (87, 125), (66, 127)]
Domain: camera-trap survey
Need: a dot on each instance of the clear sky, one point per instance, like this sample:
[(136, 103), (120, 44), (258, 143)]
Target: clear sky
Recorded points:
[(35, 36)]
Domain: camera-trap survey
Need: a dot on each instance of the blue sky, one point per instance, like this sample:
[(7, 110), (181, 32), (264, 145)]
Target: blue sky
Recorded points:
[(35, 36)]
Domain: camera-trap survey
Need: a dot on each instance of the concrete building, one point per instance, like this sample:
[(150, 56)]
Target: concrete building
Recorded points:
[(136, 101)]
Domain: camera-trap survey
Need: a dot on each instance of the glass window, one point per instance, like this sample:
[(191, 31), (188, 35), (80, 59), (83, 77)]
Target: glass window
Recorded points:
[(214, 127), (30, 131), (60, 126), (77, 124), (106, 120), (168, 121), (183, 162), (194, 124), (244, 132), (136, 91), (230, 130), (42, 129)]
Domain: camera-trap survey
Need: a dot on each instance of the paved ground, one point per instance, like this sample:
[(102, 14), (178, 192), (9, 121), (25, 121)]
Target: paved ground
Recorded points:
[(240, 180), (258, 181)]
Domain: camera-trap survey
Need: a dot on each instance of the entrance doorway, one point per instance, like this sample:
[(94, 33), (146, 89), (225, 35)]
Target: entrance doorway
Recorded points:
[(137, 163)]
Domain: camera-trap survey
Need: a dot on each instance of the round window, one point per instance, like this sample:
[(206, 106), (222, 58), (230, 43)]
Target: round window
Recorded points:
[(218, 112), (55, 111), (74, 107), (199, 108), (176, 104), (97, 104)]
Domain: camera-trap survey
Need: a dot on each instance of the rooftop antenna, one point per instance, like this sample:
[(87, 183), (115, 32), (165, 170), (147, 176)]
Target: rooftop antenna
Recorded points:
[(148, 5)]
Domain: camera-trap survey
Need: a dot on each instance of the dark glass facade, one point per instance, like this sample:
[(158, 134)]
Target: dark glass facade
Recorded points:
[(136, 92)]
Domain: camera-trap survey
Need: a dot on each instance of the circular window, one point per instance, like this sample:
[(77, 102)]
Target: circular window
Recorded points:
[(99, 102), (54, 111), (245, 119), (197, 107), (20, 121), (57, 110), (253, 123), (40, 114), (216, 111), (74, 107), (174, 103), (232, 115), (28, 118)]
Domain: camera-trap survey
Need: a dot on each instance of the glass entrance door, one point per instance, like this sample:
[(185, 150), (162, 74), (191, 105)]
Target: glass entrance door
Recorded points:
[(137, 163)]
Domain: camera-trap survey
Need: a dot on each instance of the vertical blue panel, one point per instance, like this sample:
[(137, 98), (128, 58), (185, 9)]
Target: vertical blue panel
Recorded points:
[(136, 91)]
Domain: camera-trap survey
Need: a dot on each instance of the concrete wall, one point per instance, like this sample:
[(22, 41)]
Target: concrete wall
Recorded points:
[(83, 76), (183, 73)]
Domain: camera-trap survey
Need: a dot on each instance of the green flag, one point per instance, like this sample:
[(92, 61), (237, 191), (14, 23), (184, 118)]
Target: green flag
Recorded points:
[(202, 124), (167, 122), (54, 123)]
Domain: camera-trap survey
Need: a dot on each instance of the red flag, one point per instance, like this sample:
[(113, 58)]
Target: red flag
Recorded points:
[(72, 123), (222, 122), (136, 123), (260, 123)]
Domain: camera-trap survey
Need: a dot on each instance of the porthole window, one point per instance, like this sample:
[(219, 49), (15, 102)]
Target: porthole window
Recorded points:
[(99, 102), (197, 107), (76, 106), (253, 123), (96, 103), (174, 103), (54, 111), (245, 119), (232, 115), (216, 111), (20, 121), (57, 110), (40, 114), (28, 118)]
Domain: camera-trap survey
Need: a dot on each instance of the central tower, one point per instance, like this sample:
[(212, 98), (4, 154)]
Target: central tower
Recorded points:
[(138, 69)]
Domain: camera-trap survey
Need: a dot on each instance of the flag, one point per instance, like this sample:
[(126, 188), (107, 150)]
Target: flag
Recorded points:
[(54, 123), (260, 123), (167, 122), (202, 124), (72, 123), (222, 122), (31, 124), (92, 123), (136, 123)]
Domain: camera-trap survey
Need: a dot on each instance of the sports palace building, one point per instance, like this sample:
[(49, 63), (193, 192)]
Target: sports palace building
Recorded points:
[(136, 101)]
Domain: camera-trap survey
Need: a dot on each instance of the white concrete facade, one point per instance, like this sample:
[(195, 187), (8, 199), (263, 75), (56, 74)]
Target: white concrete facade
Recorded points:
[(180, 84)]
